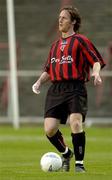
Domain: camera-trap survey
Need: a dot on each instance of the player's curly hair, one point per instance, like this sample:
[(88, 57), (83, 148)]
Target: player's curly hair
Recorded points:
[(75, 15)]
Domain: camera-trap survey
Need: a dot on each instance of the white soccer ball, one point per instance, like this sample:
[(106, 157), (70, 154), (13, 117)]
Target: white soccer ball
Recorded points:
[(51, 162)]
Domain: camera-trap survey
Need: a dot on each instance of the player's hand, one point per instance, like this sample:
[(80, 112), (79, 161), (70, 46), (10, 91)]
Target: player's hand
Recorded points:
[(97, 79), (35, 87)]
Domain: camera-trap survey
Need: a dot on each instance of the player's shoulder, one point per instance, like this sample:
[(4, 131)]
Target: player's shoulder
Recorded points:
[(55, 42), (82, 37)]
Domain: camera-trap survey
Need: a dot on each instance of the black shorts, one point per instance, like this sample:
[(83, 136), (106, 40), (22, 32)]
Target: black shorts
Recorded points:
[(64, 98)]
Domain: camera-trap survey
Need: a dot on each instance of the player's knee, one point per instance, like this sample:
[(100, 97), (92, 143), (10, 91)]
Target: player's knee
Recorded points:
[(76, 124), (50, 126), (50, 131)]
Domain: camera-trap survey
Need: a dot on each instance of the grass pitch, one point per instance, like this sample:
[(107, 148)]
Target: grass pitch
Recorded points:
[(21, 150)]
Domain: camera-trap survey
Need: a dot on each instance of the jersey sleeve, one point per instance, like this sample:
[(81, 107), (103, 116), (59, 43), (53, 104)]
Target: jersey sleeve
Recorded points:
[(47, 65), (91, 53)]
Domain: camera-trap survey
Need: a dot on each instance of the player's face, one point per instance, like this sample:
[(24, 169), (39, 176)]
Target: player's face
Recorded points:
[(65, 22)]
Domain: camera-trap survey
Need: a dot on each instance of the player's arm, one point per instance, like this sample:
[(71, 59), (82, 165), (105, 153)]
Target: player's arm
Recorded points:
[(42, 79), (94, 59), (91, 53), (96, 73)]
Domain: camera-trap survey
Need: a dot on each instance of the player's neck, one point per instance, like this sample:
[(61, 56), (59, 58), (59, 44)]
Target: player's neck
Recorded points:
[(67, 34)]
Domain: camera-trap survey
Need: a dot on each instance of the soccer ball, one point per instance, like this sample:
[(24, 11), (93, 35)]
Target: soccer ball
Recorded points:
[(51, 162)]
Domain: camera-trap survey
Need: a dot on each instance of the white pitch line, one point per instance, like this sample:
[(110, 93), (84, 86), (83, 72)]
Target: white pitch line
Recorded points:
[(6, 138)]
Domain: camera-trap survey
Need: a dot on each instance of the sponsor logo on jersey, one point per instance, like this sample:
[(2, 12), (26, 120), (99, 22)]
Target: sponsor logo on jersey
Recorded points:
[(64, 59)]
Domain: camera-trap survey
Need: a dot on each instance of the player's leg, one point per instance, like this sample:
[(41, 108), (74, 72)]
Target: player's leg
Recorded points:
[(78, 140), (51, 126)]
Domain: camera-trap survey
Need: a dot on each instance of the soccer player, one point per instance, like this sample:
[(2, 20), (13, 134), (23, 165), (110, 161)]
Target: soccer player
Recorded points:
[(68, 68)]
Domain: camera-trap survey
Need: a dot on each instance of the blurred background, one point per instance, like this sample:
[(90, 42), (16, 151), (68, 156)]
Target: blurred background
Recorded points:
[(35, 30)]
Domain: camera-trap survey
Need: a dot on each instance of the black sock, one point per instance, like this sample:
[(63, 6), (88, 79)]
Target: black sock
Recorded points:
[(79, 141), (58, 142), (67, 154)]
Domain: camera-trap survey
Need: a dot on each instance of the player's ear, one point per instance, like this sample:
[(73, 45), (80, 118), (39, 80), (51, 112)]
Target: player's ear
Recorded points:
[(73, 22)]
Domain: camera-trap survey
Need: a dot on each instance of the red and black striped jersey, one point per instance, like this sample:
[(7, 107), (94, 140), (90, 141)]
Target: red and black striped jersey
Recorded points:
[(71, 58)]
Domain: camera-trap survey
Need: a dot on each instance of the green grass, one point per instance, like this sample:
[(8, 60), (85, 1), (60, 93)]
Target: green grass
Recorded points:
[(20, 153)]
